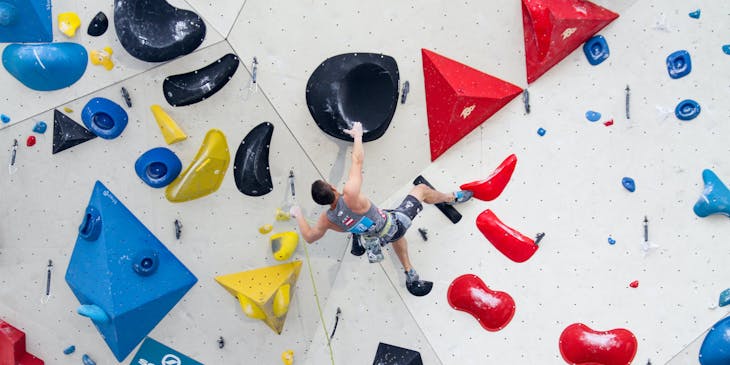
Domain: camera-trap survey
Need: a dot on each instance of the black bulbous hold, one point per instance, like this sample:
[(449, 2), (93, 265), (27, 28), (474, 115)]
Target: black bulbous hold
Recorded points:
[(251, 166), (155, 31), (98, 25), (196, 86)]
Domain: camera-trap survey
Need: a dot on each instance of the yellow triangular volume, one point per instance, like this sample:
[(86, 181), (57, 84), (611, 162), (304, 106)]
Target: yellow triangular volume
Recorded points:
[(170, 130), (264, 292)]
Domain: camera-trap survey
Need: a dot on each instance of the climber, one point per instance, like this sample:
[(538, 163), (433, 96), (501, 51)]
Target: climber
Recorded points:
[(350, 211)]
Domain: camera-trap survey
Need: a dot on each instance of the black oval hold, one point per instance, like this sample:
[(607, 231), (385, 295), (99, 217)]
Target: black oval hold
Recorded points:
[(354, 87), (251, 166), (155, 31), (196, 86), (98, 25)]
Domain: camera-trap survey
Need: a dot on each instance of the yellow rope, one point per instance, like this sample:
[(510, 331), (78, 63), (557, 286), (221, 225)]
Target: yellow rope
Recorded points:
[(319, 308)]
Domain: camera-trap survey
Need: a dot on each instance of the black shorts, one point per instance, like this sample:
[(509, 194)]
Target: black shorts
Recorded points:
[(404, 215)]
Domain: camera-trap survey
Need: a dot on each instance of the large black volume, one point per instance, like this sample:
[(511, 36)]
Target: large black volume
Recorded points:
[(251, 166), (354, 87), (196, 86), (155, 31)]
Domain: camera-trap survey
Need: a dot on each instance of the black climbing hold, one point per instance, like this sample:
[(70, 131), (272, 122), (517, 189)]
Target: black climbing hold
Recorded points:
[(196, 86), (419, 288), (448, 210), (155, 31), (98, 25), (67, 133), (354, 87), (394, 355), (424, 233), (251, 166), (357, 248)]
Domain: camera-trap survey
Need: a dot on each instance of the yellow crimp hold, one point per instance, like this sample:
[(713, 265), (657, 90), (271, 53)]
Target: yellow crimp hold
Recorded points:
[(282, 215), (102, 58), (284, 244), (268, 289), (287, 357), (205, 174), (67, 109), (170, 130), (68, 23), (266, 228)]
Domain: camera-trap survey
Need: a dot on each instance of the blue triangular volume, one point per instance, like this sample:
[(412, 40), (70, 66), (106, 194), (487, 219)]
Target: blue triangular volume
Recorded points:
[(25, 21), (119, 266)]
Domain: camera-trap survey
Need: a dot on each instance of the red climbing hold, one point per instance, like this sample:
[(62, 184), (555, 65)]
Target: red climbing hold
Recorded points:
[(608, 123), (30, 142), (458, 99), (490, 188), (12, 347), (493, 309), (516, 246), (555, 28), (634, 284), (581, 345)]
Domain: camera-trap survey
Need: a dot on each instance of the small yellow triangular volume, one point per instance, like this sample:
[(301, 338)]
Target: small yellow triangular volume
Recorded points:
[(170, 130), (266, 290)]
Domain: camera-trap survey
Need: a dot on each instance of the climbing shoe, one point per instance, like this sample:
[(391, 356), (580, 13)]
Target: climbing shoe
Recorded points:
[(416, 286), (461, 196)]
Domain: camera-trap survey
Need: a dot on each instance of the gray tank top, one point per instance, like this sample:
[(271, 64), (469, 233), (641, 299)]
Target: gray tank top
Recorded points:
[(371, 222)]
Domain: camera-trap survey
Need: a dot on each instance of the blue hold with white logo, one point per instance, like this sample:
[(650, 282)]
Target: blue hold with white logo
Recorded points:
[(154, 353)]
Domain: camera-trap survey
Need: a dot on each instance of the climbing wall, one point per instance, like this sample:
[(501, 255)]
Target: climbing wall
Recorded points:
[(567, 184)]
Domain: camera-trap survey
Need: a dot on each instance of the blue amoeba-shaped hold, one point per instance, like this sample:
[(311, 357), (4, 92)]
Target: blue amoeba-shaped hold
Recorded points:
[(593, 116), (46, 67), (715, 198), (679, 64), (596, 50)]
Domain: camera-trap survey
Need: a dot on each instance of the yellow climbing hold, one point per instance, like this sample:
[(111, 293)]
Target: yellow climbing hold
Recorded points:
[(281, 300), (250, 308), (266, 228), (284, 244), (287, 357), (67, 109), (103, 58), (282, 215), (268, 289), (68, 23), (170, 130), (205, 174)]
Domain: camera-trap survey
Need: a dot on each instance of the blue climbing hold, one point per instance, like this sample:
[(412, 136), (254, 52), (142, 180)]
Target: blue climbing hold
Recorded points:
[(715, 348), (726, 49), (25, 21), (46, 67), (629, 184), (541, 132), (88, 361), (104, 118), (40, 127), (679, 64), (724, 298), (158, 167), (715, 198), (611, 241), (687, 110), (122, 269), (593, 116), (695, 14), (4, 118), (596, 50), (69, 350)]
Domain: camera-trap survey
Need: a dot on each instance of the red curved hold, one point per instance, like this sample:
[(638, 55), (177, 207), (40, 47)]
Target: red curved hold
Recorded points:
[(516, 246), (490, 188), (493, 309), (583, 346)]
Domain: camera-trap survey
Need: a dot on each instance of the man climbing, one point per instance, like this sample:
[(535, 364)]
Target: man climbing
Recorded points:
[(350, 211)]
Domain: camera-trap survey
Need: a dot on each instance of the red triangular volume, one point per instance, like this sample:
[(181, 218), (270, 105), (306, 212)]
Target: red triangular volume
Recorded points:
[(458, 99), (555, 28)]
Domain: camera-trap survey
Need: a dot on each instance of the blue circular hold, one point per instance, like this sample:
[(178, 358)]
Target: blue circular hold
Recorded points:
[(145, 262), (158, 167), (687, 110), (611, 241), (629, 184), (726, 49), (4, 118), (40, 127), (8, 13), (104, 118), (593, 116), (541, 132)]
